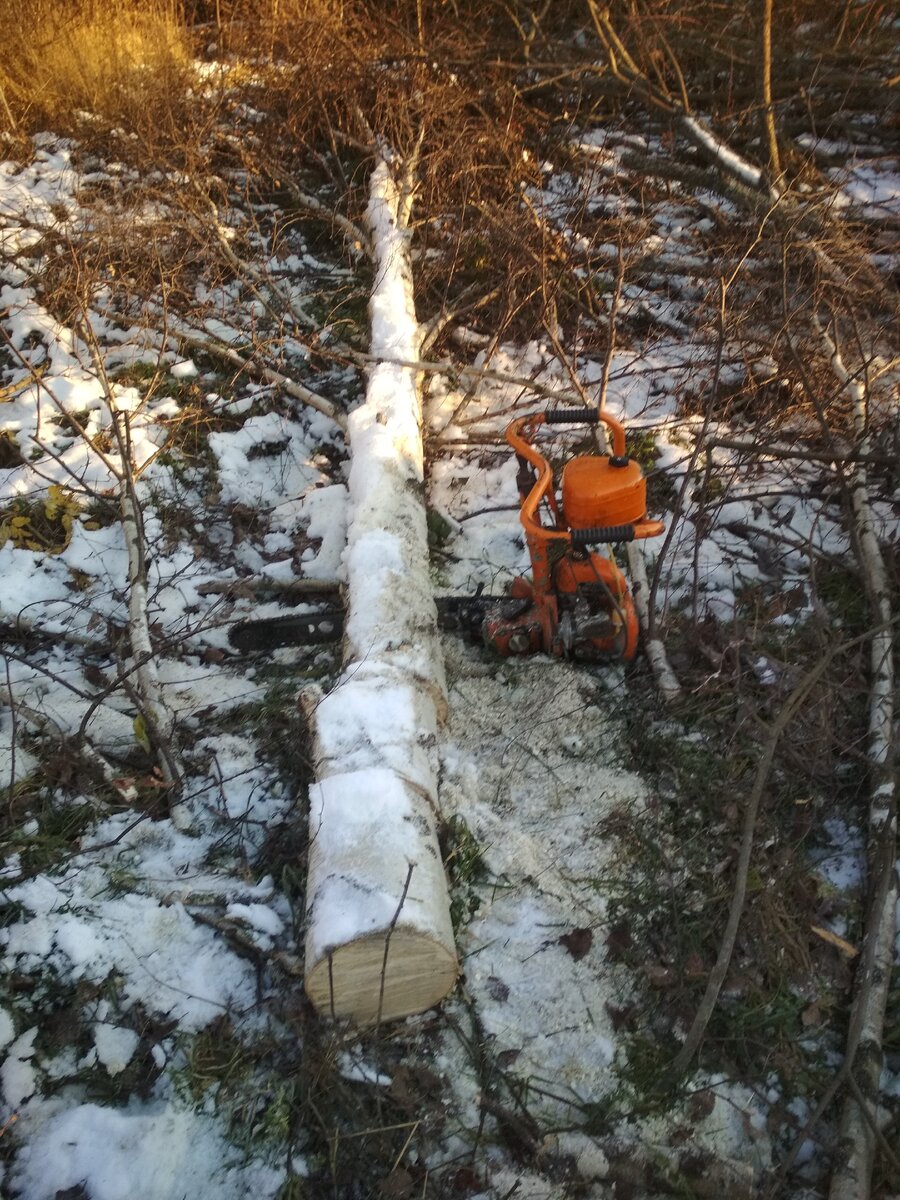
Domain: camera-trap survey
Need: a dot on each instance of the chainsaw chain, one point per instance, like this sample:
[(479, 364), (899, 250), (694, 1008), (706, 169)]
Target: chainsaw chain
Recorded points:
[(456, 614)]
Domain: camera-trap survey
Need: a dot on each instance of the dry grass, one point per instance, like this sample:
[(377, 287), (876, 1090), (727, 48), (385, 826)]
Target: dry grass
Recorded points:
[(122, 63)]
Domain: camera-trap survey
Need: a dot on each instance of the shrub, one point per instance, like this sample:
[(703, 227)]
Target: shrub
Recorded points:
[(123, 63)]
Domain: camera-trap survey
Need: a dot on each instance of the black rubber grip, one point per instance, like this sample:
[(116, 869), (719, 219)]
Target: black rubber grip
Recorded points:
[(572, 416), (603, 533)]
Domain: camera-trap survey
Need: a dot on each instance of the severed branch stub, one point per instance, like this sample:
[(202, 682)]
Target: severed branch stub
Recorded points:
[(379, 939)]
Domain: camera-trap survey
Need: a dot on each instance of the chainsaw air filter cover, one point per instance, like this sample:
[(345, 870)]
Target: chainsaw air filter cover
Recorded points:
[(597, 493)]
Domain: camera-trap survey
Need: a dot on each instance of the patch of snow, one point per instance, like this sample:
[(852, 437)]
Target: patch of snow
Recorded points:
[(356, 1071), (115, 1046), (154, 1149), (257, 916), (168, 963), (17, 1075)]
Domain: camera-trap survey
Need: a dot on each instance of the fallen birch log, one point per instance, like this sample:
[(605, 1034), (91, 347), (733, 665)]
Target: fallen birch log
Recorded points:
[(379, 939)]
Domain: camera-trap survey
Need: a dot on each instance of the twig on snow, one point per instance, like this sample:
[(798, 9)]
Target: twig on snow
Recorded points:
[(259, 370), (49, 728), (387, 939), (13, 734)]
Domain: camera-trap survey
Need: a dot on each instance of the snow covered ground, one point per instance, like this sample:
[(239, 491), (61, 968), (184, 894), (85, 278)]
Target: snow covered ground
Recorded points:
[(156, 1042)]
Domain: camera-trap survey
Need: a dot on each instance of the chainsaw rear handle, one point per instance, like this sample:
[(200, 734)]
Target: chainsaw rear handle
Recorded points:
[(589, 416)]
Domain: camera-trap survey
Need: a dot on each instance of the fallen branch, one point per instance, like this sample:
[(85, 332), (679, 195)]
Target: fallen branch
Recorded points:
[(282, 587), (653, 646), (157, 717), (89, 752), (794, 211), (804, 455), (743, 529), (19, 628), (852, 1176), (256, 370), (444, 367), (251, 276), (356, 237), (870, 968)]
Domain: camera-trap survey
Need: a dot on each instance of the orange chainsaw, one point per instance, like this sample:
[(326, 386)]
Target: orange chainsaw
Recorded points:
[(576, 601)]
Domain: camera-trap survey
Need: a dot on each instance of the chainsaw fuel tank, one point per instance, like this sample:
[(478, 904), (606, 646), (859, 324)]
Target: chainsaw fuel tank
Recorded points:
[(599, 490)]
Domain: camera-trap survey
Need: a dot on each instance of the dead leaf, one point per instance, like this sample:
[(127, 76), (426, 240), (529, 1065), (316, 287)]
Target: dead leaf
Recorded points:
[(398, 1185), (659, 976), (681, 1135), (693, 967), (622, 1018), (402, 1087), (412, 1086), (95, 676), (752, 1130), (811, 1015), (497, 989), (506, 1058), (701, 1105), (212, 654), (578, 942), (466, 1182), (619, 941)]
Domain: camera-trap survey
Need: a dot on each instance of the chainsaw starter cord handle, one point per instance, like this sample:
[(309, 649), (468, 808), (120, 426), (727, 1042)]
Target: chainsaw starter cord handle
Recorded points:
[(602, 534)]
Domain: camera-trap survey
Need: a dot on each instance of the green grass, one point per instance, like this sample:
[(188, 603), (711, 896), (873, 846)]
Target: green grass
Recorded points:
[(43, 825), (465, 867)]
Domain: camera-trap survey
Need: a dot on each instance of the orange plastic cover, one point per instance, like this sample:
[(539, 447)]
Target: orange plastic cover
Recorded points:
[(594, 493)]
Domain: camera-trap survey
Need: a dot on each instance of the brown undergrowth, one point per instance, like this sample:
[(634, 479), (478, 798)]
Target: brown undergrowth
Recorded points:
[(66, 64)]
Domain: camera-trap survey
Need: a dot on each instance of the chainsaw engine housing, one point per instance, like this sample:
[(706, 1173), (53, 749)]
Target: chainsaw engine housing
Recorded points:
[(599, 490)]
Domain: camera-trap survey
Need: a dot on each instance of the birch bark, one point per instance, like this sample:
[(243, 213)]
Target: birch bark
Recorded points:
[(379, 938)]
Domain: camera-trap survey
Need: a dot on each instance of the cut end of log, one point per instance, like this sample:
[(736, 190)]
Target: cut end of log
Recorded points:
[(348, 983)]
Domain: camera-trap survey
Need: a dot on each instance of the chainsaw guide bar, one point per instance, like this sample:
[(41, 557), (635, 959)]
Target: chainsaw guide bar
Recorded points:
[(298, 629), (456, 614)]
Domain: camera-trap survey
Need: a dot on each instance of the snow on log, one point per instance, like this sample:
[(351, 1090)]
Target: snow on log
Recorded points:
[(379, 940)]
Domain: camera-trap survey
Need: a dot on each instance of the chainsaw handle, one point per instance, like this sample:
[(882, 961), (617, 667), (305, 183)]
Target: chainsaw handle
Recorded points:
[(602, 535), (519, 435), (571, 416), (586, 416)]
